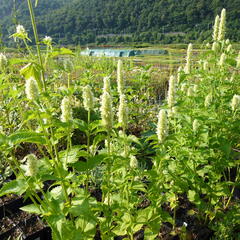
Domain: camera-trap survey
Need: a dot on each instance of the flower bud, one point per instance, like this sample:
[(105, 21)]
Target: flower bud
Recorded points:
[(31, 88), (208, 100), (222, 60), (20, 30), (47, 40), (229, 48), (66, 110), (162, 126), (235, 102), (133, 162), (32, 165), (88, 98), (196, 125), (106, 85), (3, 61), (215, 46)]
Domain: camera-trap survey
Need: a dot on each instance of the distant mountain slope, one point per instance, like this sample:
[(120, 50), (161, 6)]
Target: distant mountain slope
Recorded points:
[(86, 21)]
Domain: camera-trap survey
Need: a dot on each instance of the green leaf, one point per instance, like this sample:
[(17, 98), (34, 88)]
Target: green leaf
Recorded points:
[(81, 125), (17, 186), (3, 139), (90, 164), (14, 61), (23, 136), (61, 51), (31, 209), (70, 156), (32, 70)]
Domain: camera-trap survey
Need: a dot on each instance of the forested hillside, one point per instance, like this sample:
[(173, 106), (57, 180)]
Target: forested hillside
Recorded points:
[(102, 21)]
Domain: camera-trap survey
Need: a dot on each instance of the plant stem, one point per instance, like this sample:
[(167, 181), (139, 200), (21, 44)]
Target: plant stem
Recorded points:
[(30, 7), (88, 147)]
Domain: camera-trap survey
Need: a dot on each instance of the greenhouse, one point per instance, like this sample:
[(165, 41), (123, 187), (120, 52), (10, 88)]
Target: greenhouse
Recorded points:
[(121, 52)]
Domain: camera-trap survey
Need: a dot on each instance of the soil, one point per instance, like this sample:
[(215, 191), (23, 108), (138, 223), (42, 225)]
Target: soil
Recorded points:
[(5, 224), (15, 234), (8, 198), (31, 226), (21, 216)]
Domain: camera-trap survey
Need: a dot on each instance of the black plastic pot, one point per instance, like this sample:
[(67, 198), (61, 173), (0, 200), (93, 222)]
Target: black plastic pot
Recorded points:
[(12, 206), (44, 233), (12, 229)]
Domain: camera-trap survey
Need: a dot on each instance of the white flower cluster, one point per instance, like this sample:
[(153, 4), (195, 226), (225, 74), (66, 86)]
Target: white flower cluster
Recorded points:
[(187, 68), (32, 165), (3, 61), (120, 82), (235, 102), (106, 111), (162, 126), (31, 88), (66, 110), (123, 112), (88, 98)]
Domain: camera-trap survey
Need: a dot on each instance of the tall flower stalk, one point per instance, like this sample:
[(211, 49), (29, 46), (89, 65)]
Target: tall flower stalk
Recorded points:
[(34, 26), (187, 68), (171, 92), (222, 25), (120, 82), (88, 103), (216, 28), (162, 126)]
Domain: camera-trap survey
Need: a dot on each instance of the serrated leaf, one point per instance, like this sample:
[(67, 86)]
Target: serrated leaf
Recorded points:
[(70, 156), (31, 137), (31, 209), (32, 70), (90, 164), (14, 61), (62, 51), (17, 186)]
